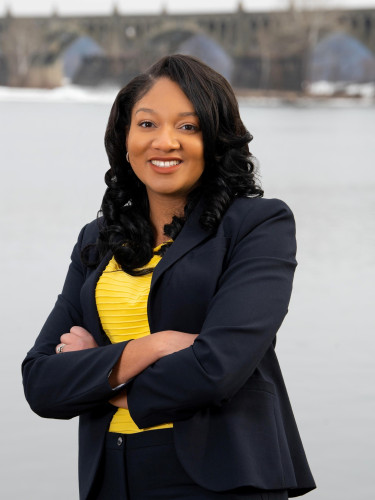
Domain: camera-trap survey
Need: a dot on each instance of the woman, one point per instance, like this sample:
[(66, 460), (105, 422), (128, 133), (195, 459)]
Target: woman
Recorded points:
[(188, 250)]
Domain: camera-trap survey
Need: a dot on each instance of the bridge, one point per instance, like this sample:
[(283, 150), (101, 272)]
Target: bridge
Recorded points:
[(256, 49)]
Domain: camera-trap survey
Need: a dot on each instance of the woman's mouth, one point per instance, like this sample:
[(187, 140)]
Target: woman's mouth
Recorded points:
[(165, 164)]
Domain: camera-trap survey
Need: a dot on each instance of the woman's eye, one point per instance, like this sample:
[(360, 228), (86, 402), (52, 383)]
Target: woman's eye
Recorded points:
[(189, 127), (146, 124)]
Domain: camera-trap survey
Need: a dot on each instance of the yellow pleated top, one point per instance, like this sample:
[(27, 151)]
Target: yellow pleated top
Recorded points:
[(121, 300)]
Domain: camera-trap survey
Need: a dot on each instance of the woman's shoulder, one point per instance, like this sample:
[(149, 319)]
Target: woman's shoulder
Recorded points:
[(90, 232), (270, 218), (258, 208)]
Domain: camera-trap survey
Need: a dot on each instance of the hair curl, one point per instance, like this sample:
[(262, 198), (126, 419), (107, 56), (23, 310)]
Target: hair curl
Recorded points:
[(229, 169)]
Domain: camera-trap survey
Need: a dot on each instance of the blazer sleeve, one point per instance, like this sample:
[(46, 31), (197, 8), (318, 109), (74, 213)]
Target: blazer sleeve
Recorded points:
[(241, 323), (68, 384)]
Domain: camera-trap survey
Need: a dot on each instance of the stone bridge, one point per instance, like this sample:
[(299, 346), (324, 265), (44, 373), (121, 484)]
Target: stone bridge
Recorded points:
[(258, 49)]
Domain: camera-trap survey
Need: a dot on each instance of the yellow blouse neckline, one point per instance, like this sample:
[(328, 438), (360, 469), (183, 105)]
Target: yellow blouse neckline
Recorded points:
[(156, 249)]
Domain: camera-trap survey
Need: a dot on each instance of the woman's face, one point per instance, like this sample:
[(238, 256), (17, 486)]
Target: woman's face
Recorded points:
[(165, 143)]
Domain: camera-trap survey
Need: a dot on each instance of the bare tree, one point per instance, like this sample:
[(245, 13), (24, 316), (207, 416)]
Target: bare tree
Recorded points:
[(20, 41)]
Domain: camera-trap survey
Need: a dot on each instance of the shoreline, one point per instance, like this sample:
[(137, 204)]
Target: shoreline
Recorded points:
[(77, 94), (290, 97)]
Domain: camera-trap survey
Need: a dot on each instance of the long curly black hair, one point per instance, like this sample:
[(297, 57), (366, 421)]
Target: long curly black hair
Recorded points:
[(229, 169)]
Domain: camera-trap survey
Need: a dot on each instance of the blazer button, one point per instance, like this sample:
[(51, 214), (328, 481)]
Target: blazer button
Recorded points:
[(119, 441)]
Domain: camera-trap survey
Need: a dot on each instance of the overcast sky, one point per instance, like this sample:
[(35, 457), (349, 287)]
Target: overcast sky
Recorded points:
[(30, 7)]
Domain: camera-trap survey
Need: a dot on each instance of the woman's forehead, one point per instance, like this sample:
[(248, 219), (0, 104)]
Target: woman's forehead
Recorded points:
[(164, 92)]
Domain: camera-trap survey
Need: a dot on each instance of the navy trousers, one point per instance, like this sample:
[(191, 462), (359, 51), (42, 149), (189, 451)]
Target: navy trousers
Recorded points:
[(144, 466)]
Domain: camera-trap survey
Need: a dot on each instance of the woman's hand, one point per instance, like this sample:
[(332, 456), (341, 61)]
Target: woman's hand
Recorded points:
[(76, 340), (120, 401), (143, 352), (170, 341)]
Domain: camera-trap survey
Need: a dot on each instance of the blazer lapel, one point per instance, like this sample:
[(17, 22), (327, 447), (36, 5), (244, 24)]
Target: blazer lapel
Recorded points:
[(92, 317), (190, 236)]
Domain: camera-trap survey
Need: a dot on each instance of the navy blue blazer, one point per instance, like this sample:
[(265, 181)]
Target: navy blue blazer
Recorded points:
[(233, 423)]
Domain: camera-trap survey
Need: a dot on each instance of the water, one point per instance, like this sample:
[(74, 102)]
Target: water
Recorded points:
[(319, 159)]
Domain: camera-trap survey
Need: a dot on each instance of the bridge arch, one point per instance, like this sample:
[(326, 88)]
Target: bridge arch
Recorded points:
[(73, 56), (339, 57), (189, 40)]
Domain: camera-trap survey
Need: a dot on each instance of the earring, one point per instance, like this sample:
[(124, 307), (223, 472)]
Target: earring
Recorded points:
[(127, 157)]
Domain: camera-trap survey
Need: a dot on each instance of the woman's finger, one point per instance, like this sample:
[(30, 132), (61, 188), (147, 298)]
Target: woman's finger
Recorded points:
[(79, 331), (120, 401), (60, 348), (85, 337), (66, 338), (78, 339)]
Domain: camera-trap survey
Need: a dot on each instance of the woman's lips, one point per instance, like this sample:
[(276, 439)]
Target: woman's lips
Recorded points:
[(165, 166)]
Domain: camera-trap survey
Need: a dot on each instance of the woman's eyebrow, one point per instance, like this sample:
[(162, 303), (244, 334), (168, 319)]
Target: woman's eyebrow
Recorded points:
[(146, 110), (188, 113), (149, 110)]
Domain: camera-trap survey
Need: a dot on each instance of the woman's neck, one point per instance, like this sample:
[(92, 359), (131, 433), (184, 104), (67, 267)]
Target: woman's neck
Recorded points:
[(162, 210)]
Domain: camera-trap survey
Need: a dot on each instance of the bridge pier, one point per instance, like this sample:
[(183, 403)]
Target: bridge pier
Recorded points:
[(268, 49)]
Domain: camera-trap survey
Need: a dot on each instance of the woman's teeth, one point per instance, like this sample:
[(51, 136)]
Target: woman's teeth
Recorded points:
[(162, 164)]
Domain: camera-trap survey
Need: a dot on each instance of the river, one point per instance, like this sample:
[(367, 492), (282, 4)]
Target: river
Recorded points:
[(319, 158)]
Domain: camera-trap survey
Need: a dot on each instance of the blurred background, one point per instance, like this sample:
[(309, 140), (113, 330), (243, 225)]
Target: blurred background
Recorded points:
[(295, 46), (304, 74)]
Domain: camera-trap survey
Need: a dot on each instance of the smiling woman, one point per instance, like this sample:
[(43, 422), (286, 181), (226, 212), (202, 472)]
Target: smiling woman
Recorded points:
[(180, 110), (165, 149), (163, 338)]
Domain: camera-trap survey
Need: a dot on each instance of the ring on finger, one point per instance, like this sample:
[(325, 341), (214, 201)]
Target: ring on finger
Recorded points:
[(60, 348)]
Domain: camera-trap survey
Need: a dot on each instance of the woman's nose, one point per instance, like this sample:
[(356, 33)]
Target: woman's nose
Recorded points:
[(166, 139)]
